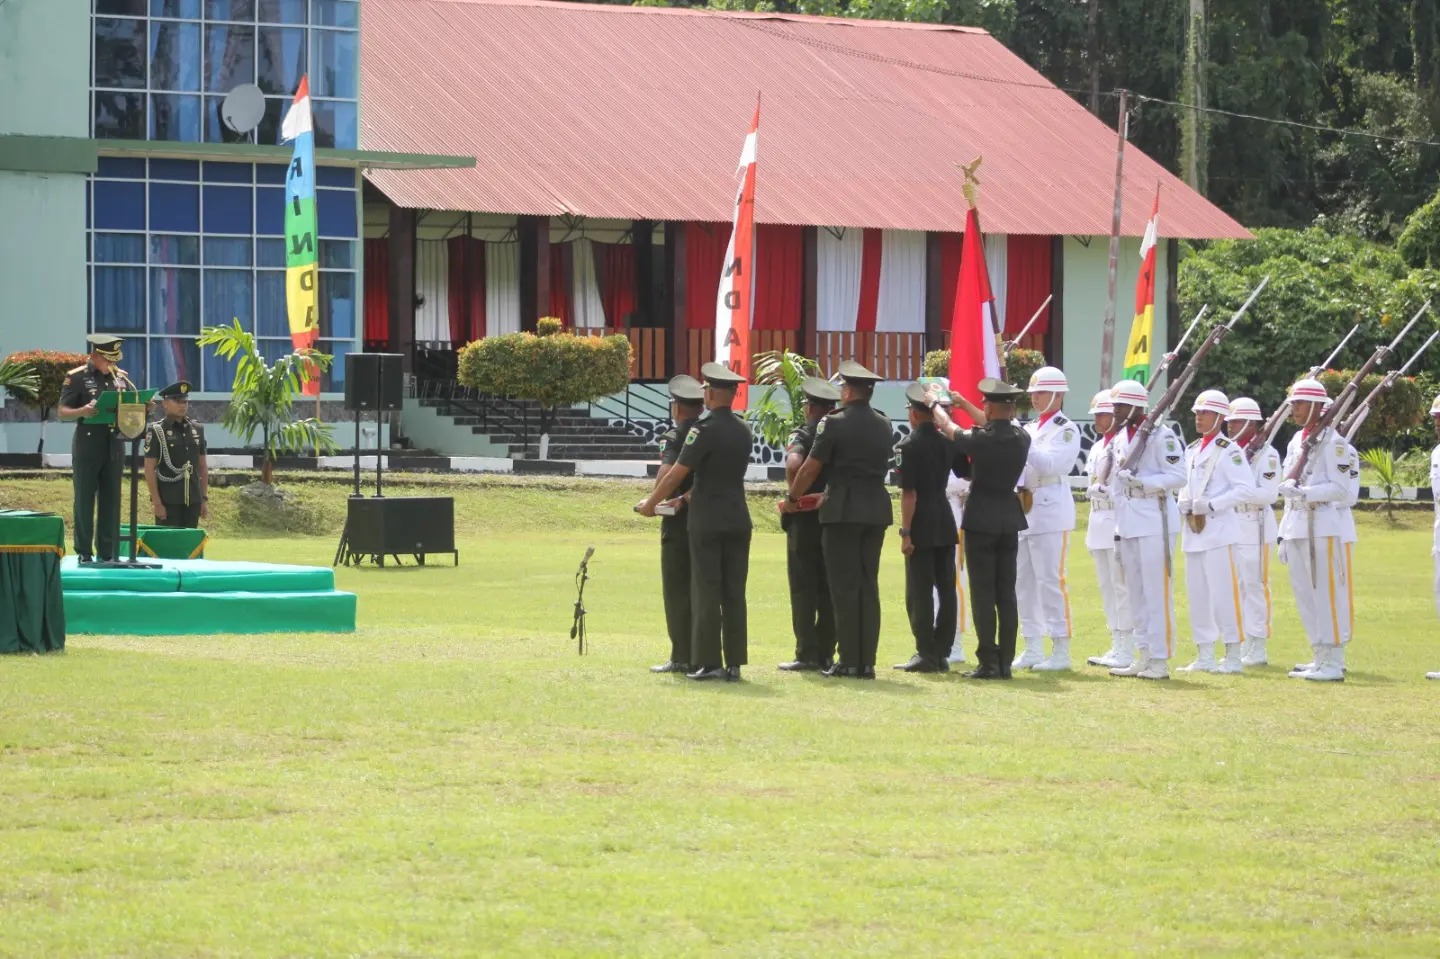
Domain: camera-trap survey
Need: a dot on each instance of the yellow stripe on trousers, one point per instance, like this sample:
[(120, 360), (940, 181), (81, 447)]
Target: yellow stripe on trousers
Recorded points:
[(1169, 627), (1265, 578), (1350, 588), (960, 584), (1235, 591), (1064, 590), (1330, 564)]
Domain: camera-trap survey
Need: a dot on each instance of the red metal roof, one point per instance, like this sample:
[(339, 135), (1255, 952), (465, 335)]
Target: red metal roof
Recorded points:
[(640, 112)]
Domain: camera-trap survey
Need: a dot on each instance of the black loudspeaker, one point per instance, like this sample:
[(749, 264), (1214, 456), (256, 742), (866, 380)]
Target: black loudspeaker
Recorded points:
[(380, 526), (374, 382)]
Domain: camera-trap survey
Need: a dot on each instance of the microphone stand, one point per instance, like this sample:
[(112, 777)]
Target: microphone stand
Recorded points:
[(577, 625)]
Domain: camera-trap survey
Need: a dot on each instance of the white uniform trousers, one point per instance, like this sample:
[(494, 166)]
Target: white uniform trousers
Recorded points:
[(1040, 587), (1112, 591), (1148, 594), (1212, 583), (1324, 603), (1253, 562), (1436, 557)]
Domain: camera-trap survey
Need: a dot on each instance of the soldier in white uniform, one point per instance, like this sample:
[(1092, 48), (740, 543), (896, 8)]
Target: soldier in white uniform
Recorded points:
[(1145, 522), (1217, 479), (1100, 537), (1258, 532), (1311, 529), (1044, 543), (1350, 466), (1435, 492)]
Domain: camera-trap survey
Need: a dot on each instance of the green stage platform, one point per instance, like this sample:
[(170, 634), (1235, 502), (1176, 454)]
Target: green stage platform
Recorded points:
[(190, 597)]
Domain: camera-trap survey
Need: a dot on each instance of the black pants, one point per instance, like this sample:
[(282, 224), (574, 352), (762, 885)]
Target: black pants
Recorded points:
[(927, 569), (811, 614), (675, 588), (180, 516), (97, 466), (852, 565), (990, 559), (719, 566)]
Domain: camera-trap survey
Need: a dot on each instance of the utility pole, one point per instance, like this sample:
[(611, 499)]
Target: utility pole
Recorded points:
[(1107, 338), (1194, 126)]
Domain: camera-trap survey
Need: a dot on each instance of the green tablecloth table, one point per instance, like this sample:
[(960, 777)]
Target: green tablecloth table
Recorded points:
[(32, 606)]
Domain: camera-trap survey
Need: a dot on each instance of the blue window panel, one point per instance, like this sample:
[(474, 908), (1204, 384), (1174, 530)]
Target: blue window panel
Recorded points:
[(175, 250), (119, 205), (269, 252), (121, 168), (187, 170), (217, 172), (281, 59), (219, 373), (229, 57), (180, 9), (118, 247), (268, 132), (179, 119), (230, 10), (271, 319), (333, 380), (337, 305), (120, 53), (175, 207), (125, 8), (270, 173), (338, 176), (119, 116), (337, 63), (269, 211), (282, 11), (337, 254), (273, 350), (337, 13), (227, 251), (174, 300), (335, 209), (228, 209), (135, 366), (173, 359), (336, 124), (229, 296), (174, 56), (119, 294)]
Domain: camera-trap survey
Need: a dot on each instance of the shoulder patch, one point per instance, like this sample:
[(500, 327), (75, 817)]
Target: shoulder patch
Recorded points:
[(1270, 475), (1068, 435), (1172, 459), (1341, 449), (1221, 442), (1171, 444), (820, 426), (690, 437), (1237, 459)]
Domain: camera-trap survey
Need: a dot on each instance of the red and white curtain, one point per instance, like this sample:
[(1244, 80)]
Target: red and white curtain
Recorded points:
[(870, 281)]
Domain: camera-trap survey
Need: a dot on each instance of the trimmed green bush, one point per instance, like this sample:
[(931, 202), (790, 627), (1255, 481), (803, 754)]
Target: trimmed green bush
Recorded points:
[(1019, 366), (49, 368)]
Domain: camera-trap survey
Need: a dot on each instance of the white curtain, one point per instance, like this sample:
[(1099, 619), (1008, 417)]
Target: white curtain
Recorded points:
[(502, 288), (432, 282), (839, 260), (585, 286), (997, 259), (901, 304)]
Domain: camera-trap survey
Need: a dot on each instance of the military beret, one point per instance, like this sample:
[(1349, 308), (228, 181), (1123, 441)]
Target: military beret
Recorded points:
[(853, 372), (686, 389), (176, 391), (720, 376), (821, 391)]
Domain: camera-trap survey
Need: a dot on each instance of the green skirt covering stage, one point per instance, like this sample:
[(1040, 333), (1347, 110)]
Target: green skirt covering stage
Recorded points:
[(32, 609), (168, 542)]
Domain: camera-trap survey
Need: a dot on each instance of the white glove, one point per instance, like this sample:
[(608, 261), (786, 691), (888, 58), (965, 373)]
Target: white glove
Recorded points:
[(1291, 491), (1128, 478), (1186, 506), (1094, 491), (1200, 505), (1281, 553)]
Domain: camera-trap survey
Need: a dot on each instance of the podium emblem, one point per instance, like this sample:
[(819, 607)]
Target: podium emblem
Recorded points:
[(130, 419)]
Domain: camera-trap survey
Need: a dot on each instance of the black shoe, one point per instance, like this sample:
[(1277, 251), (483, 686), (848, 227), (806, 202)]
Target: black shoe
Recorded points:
[(942, 665), (918, 664), (670, 667), (1004, 670), (865, 672), (732, 674), (984, 672), (801, 666), (708, 672), (839, 671), (85, 559)]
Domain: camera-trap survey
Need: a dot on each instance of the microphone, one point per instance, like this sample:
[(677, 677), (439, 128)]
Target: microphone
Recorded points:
[(588, 553)]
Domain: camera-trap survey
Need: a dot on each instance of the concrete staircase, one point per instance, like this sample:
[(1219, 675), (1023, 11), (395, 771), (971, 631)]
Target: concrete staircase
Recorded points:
[(574, 433)]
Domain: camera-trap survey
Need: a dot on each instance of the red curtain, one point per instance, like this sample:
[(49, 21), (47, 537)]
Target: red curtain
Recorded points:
[(467, 260), (779, 275), (1028, 279), (950, 246), (377, 291), (704, 250), (561, 305), (615, 273), (873, 248)]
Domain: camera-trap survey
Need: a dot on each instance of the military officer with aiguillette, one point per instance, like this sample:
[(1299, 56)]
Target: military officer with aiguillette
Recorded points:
[(812, 615), (95, 452), (716, 452), (853, 446), (177, 471), (994, 454), (687, 402)]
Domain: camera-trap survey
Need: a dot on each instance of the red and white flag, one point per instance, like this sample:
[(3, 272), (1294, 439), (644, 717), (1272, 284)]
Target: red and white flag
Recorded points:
[(974, 351), (734, 307)]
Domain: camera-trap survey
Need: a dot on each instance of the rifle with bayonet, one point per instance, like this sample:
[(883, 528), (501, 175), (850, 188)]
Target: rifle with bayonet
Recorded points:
[(1169, 357), (1008, 347), (1266, 434), (1352, 424)]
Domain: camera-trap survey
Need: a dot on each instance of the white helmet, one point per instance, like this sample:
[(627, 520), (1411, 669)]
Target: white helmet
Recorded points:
[(1309, 390), (1048, 379), (1129, 393), (1211, 401), (1244, 408), (1101, 403), (1435, 406)]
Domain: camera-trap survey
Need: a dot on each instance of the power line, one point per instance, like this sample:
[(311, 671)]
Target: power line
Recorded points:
[(1318, 128)]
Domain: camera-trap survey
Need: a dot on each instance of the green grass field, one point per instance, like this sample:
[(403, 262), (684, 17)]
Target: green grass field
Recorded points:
[(453, 780)]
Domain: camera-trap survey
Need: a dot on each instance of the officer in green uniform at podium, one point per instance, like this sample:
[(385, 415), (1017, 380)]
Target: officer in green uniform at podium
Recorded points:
[(176, 472), (95, 456)]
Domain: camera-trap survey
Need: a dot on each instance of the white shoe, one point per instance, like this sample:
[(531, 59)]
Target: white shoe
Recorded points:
[(1329, 665), (1034, 653), (1302, 670), (1058, 661), (1155, 668), (1109, 659), (1204, 662), (1134, 668), (1254, 653), (957, 654), (1432, 675), (1233, 662)]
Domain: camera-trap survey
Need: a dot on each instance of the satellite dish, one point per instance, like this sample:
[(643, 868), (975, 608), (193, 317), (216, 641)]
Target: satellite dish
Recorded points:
[(243, 109)]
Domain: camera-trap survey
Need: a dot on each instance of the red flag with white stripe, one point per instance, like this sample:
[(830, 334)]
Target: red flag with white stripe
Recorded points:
[(974, 351), (735, 305)]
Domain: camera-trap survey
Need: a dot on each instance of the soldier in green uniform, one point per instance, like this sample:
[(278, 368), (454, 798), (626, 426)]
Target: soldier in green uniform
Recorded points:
[(687, 402), (993, 454), (927, 537), (812, 616), (853, 445), (95, 452), (716, 452), (177, 472)]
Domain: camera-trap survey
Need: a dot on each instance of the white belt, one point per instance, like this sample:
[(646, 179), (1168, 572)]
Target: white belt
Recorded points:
[(1102, 503), (1250, 508), (1045, 481), (1139, 494)]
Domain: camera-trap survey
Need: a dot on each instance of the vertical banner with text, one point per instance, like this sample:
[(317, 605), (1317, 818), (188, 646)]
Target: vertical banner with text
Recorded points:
[(302, 298), (735, 305)]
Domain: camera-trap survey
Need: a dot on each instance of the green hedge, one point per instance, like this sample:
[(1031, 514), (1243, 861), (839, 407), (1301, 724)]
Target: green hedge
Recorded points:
[(1019, 366), (1396, 414), (557, 369)]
